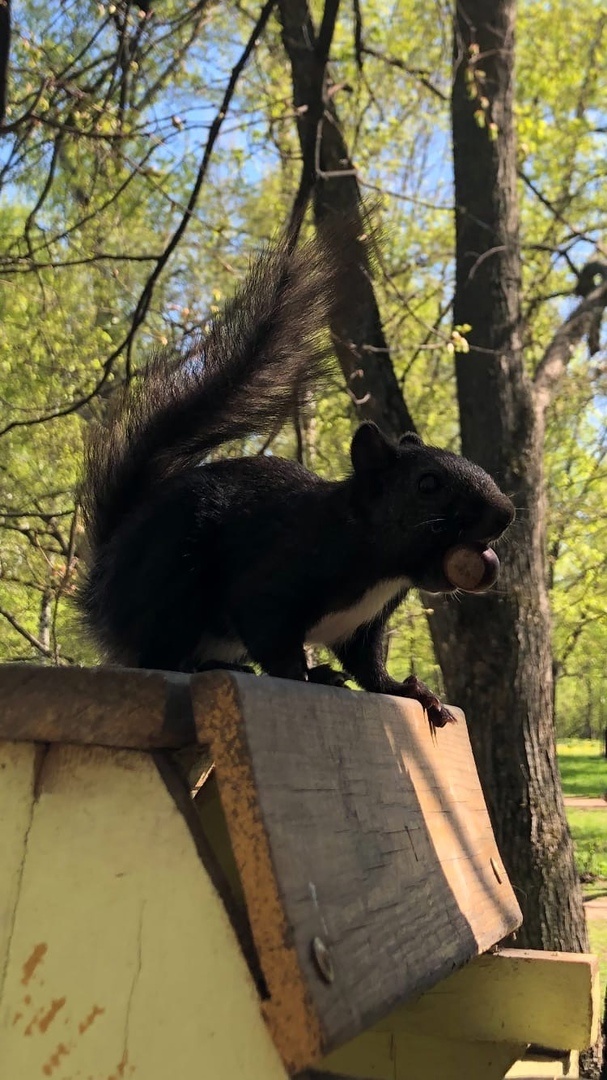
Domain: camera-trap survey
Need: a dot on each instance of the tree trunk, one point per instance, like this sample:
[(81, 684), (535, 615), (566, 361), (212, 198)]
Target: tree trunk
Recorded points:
[(359, 339), (495, 651)]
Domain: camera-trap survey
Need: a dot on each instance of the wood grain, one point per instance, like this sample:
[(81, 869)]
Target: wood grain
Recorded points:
[(103, 706), (353, 822)]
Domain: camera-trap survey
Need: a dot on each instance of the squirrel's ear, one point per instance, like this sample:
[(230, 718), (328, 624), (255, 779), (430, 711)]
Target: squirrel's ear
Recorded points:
[(371, 450), (411, 438)]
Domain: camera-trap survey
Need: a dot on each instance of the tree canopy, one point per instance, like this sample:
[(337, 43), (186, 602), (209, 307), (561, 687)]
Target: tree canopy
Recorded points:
[(114, 128)]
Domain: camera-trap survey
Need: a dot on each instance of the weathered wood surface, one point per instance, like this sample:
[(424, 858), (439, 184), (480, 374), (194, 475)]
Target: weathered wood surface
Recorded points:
[(117, 959), (102, 706), (351, 822)]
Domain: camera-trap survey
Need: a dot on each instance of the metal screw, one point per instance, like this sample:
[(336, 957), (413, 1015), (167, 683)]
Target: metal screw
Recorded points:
[(322, 959), (495, 870)]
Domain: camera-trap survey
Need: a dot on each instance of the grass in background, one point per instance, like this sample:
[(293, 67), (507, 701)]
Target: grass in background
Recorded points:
[(584, 773), (583, 767), (589, 831)]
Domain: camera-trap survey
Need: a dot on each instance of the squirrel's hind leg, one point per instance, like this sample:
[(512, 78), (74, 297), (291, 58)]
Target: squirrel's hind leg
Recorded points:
[(325, 675), (272, 644)]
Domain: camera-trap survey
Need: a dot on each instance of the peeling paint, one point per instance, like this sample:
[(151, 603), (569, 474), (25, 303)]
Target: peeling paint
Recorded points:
[(33, 1022), (48, 1018), (33, 961), (55, 1059), (42, 1019), (85, 1024)]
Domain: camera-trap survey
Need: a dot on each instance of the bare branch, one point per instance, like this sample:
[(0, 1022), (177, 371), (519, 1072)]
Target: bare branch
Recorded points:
[(145, 298), (315, 109), (420, 74), (148, 290), (359, 339), (556, 357)]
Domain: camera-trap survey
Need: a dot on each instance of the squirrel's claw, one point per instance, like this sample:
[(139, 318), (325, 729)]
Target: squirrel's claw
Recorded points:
[(437, 713)]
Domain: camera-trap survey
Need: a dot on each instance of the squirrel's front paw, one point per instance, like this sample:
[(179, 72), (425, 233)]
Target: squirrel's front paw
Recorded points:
[(437, 713)]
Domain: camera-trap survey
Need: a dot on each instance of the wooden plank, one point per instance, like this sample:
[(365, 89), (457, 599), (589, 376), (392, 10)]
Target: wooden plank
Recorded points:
[(121, 962), (537, 1066), (490, 1010), (351, 822), (381, 1056), (101, 706), (521, 995)]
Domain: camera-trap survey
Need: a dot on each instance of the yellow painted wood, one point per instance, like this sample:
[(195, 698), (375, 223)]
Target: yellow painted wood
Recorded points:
[(215, 828), (481, 1019), (543, 1067), (547, 998), (402, 1056), (122, 961), (17, 776)]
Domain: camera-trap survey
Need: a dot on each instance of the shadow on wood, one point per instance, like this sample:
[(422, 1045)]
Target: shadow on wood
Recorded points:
[(353, 823)]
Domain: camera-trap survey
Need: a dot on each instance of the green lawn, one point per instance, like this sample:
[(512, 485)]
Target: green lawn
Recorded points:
[(589, 831), (583, 768), (584, 772)]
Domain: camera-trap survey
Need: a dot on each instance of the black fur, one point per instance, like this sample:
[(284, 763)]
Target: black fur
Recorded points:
[(185, 560)]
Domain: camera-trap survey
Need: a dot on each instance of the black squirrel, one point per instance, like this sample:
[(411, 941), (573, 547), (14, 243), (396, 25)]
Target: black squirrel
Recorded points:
[(196, 566)]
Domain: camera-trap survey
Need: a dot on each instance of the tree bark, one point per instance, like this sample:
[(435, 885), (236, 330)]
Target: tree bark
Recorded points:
[(328, 175), (495, 651)]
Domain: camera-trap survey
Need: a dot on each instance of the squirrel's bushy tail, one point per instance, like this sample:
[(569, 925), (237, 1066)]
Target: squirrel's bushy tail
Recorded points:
[(246, 377)]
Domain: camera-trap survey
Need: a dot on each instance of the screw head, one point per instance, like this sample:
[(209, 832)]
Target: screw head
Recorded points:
[(495, 869), (322, 959)]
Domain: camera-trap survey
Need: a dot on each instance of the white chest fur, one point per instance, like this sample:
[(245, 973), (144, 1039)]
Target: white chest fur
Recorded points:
[(340, 625)]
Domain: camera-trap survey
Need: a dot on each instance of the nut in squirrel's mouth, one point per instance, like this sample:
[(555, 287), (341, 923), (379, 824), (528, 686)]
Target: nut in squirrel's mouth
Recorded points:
[(472, 567)]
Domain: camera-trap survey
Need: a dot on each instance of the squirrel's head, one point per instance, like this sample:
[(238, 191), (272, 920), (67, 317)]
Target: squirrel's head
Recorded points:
[(420, 501)]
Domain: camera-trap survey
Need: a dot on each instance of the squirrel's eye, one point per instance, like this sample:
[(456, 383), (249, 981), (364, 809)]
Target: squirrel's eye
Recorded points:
[(428, 483)]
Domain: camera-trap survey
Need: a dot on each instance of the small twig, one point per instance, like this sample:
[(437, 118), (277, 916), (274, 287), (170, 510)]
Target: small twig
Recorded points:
[(33, 641), (559, 351), (415, 73)]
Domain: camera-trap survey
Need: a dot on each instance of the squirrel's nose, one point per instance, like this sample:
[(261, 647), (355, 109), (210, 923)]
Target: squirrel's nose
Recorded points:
[(496, 519), (490, 521)]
